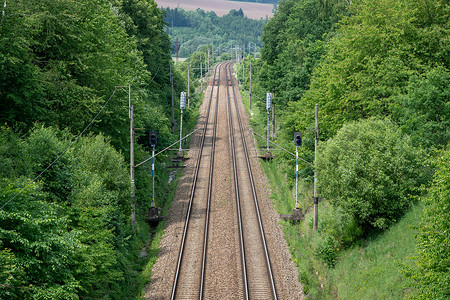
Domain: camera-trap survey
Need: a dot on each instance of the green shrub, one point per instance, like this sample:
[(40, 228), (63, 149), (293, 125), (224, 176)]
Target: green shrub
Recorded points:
[(369, 169)]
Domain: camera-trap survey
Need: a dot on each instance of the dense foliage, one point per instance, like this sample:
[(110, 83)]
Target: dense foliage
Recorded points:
[(65, 229), (63, 235), (377, 58), (433, 274), (368, 169), (195, 29)]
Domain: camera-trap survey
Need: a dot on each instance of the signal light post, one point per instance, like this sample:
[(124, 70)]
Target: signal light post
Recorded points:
[(268, 107), (182, 107), (153, 139), (298, 143)]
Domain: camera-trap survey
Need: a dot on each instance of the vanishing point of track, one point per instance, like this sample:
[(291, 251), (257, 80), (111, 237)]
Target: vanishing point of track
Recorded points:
[(245, 261)]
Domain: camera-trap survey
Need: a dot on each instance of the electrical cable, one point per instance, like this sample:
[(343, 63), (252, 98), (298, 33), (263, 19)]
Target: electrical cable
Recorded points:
[(62, 153)]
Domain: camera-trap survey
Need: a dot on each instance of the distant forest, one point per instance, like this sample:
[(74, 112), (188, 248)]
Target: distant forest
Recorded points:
[(259, 1), (195, 29)]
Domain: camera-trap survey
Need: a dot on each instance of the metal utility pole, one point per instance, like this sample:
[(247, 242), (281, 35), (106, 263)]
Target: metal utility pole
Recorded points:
[(189, 84), (273, 121), (208, 60), (132, 137), (201, 73), (316, 144), (131, 115), (176, 50), (173, 112), (250, 92), (243, 71)]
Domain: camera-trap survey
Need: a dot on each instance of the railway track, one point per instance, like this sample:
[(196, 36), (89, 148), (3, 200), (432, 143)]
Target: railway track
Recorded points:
[(261, 284), (189, 276), (223, 252)]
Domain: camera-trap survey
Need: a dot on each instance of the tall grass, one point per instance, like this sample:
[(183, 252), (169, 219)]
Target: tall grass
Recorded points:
[(374, 269)]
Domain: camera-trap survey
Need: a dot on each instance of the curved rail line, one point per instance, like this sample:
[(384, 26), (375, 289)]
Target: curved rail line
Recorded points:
[(255, 199), (194, 184)]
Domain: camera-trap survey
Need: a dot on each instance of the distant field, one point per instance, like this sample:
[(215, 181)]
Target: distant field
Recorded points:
[(221, 7)]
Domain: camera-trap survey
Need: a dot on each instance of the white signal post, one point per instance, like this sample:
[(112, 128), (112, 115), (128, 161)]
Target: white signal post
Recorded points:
[(153, 176), (296, 177), (268, 107), (182, 107), (316, 146)]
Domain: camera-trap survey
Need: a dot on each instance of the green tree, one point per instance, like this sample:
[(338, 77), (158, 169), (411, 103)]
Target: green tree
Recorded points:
[(68, 234), (369, 169), (376, 51), (62, 59), (38, 253), (424, 112), (294, 42)]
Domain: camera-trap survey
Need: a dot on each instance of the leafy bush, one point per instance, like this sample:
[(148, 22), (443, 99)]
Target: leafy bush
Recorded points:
[(369, 169), (337, 231)]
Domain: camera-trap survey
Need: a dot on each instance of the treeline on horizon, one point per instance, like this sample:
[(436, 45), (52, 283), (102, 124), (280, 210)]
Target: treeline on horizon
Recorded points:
[(65, 228), (196, 29), (259, 1), (380, 72)]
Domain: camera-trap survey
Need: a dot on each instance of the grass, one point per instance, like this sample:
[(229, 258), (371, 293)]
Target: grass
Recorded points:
[(373, 270)]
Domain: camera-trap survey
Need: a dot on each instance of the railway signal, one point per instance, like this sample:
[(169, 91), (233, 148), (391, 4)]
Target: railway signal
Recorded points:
[(269, 101), (298, 139), (153, 138)]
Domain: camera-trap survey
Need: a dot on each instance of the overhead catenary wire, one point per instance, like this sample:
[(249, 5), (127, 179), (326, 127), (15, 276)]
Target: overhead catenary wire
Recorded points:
[(307, 162), (60, 155), (168, 147)]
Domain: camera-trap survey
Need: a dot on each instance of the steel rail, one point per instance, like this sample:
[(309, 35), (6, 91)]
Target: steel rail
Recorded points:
[(255, 198), (238, 200), (194, 184), (211, 175)]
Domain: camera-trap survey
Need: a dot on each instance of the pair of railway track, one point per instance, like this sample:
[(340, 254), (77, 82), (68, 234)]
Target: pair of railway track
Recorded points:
[(223, 252)]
